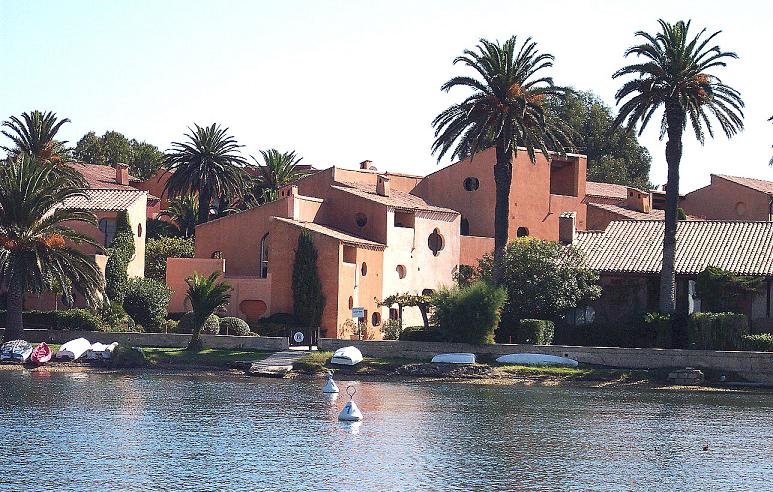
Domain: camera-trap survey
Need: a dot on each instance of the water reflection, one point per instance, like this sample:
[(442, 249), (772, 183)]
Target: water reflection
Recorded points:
[(151, 431)]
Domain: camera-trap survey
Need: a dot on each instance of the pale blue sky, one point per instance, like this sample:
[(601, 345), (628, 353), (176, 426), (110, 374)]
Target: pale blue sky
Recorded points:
[(344, 81)]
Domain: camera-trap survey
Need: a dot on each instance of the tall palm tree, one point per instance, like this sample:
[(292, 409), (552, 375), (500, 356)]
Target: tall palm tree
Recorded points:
[(674, 75), (505, 110), (208, 164), (35, 134), (206, 295), (184, 211), (277, 169), (770, 163), (36, 242)]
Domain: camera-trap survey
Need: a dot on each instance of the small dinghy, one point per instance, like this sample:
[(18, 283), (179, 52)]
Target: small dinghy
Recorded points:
[(100, 351), (455, 358), (536, 360), (41, 354), (16, 351), (74, 349), (347, 356)]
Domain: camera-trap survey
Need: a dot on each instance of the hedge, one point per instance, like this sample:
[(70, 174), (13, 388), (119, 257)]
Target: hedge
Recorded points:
[(234, 326), (420, 334), (146, 301), (716, 331), (67, 319), (761, 342), (535, 331), (211, 326), (658, 331), (469, 314)]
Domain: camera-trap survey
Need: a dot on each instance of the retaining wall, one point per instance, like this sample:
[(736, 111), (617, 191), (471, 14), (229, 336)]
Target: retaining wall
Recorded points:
[(753, 366), (164, 340)]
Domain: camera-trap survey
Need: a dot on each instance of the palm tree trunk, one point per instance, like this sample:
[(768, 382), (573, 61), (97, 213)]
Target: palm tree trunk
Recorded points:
[(675, 120), (503, 176), (205, 200), (196, 344), (14, 325)]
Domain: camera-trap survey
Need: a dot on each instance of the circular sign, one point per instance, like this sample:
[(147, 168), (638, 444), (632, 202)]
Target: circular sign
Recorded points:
[(298, 337)]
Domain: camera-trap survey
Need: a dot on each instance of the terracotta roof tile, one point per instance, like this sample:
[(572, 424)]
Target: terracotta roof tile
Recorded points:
[(606, 190), (755, 184), (108, 200), (630, 246), (342, 236), (99, 176), (396, 199), (627, 213)]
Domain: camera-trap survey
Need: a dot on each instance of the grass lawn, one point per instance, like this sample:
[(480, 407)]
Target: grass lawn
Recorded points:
[(206, 357)]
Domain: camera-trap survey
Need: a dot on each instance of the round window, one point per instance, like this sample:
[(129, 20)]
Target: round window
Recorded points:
[(435, 242), (471, 183), (364, 269), (360, 219), (401, 271)]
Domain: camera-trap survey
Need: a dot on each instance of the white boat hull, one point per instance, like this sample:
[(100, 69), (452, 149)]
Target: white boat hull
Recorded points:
[(455, 358), (347, 356), (537, 360), (74, 349)]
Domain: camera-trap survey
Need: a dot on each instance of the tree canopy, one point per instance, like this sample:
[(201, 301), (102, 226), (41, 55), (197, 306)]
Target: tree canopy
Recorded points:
[(113, 147)]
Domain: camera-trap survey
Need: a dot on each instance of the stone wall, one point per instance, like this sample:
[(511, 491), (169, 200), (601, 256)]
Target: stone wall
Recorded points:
[(753, 366), (164, 340)]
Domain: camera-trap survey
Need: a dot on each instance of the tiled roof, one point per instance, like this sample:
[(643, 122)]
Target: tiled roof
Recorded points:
[(606, 190), (396, 199), (627, 213), (99, 176), (628, 246), (755, 184), (334, 233), (108, 200)]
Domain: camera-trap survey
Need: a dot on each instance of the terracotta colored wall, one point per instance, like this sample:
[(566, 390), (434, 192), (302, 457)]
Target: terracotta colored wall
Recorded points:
[(472, 248), (720, 200), (342, 208), (598, 218), (178, 269), (155, 186)]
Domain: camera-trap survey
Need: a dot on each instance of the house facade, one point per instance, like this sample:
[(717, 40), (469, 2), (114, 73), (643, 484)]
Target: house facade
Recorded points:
[(732, 198)]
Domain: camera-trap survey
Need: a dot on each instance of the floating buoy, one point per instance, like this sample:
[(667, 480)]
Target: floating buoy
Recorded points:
[(350, 412), (330, 385)]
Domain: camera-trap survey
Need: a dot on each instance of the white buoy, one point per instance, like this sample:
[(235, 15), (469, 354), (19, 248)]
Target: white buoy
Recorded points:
[(350, 412), (330, 385)]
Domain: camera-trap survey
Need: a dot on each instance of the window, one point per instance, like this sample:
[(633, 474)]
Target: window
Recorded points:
[(351, 302), (471, 183), (435, 242), (360, 219), (375, 319), (394, 313), (217, 255), (404, 219), (522, 232), (563, 177), (401, 271), (107, 226), (427, 292), (264, 256), (364, 269), (740, 208), (350, 254), (464, 227), (139, 230)]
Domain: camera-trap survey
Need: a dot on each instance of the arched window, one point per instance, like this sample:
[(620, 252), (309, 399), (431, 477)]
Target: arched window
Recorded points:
[(401, 271), (435, 242), (522, 232), (464, 227), (375, 319), (217, 255), (364, 269), (264, 256)]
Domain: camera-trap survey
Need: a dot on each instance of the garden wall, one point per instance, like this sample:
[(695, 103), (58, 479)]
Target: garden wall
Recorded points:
[(164, 340), (753, 366)]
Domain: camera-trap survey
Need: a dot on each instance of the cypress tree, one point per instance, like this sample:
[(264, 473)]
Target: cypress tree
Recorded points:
[(120, 253), (308, 300)]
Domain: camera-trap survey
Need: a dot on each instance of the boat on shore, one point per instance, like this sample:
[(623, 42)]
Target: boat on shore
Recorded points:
[(15, 351), (100, 351), (537, 360), (454, 358), (74, 349), (41, 354), (347, 356)]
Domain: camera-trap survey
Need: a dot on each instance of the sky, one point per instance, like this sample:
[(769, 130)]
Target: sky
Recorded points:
[(345, 81)]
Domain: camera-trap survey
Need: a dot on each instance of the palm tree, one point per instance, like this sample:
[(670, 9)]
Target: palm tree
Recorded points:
[(206, 296), (674, 75), (770, 163), (277, 170), (208, 164), (35, 134), (36, 241), (505, 110), (184, 211)]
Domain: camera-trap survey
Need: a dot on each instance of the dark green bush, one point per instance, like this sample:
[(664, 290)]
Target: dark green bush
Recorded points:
[(716, 331), (120, 254), (760, 342), (114, 318), (78, 319), (211, 326), (158, 250), (535, 331), (234, 326), (420, 334), (657, 331), (272, 329), (146, 301), (125, 357), (468, 314)]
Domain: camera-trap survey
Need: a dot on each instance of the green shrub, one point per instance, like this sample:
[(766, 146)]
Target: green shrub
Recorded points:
[(170, 326), (78, 319), (234, 326), (146, 301), (211, 326), (158, 250), (116, 278), (124, 357), (657, 331), (761, 342), (469, 314), (421, 334), (535, 331), (716, 331), (269, 329), (391, 329), (114, 318)]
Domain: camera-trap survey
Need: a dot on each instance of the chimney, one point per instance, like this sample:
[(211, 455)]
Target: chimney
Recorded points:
[(365, 164), (638, 200), (566, 227), (122, 174), (382, 185)]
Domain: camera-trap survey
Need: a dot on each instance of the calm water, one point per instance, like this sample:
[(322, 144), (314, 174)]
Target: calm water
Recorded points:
[(152, 431)]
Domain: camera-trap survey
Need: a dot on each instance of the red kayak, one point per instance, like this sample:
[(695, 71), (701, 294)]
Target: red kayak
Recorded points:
[(41, 354)]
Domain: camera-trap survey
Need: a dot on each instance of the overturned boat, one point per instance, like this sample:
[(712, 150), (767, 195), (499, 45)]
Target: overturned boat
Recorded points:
[(74, 349), (347, 356), (455, 358), (16, 351)]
